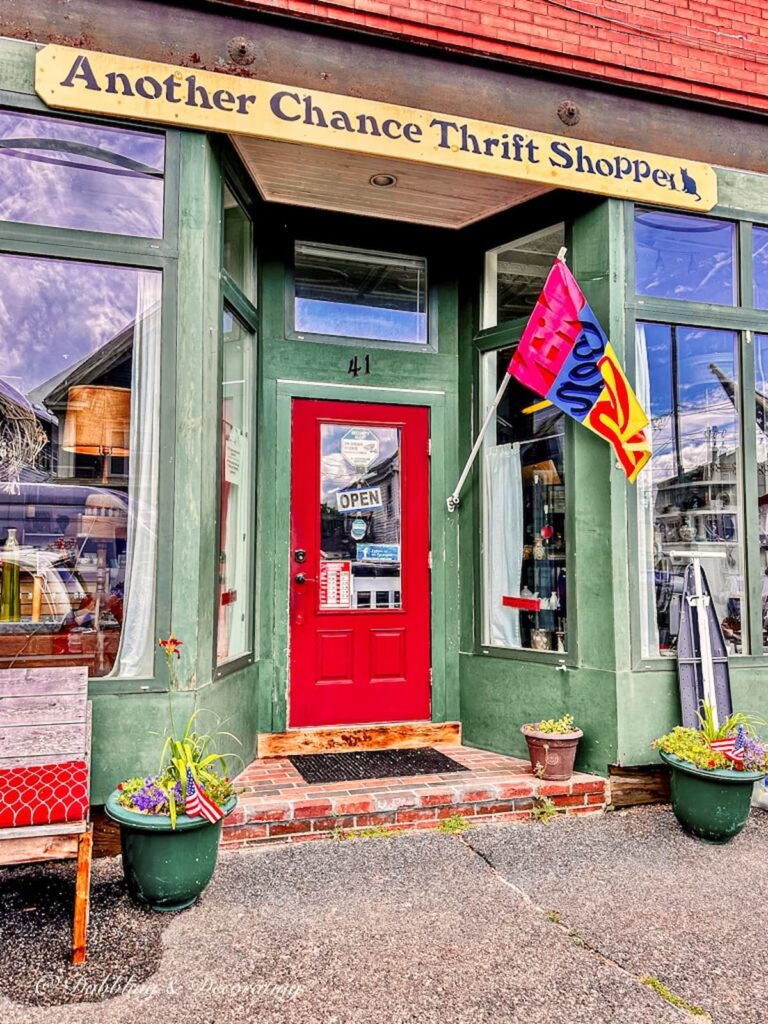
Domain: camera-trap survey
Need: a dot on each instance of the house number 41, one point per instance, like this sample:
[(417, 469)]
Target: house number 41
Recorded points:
[(356, 367)]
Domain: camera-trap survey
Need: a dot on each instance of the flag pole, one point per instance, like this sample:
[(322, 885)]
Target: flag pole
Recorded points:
[(453, 500)]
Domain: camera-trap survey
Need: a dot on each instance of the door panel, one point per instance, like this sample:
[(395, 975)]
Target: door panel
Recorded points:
[(359, 605)]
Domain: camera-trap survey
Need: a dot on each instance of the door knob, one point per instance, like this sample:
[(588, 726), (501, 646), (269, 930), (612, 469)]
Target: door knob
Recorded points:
[(299, 578)]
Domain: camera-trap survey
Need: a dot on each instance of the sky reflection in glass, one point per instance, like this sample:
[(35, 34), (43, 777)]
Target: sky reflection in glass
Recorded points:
[(55, 313), (685, 257), (69, 174)]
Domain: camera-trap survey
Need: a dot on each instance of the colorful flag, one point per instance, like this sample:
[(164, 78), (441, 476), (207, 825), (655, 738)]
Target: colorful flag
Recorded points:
[(565, 357), (198, 804)]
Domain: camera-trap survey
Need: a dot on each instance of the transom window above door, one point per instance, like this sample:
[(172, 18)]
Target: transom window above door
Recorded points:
[(354, 293)]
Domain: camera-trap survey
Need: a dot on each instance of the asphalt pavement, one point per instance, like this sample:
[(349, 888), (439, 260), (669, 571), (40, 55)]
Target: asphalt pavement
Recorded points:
[(527, 923)]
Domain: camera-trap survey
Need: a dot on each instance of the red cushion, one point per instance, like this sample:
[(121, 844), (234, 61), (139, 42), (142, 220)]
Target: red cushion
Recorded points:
[(43, 794)]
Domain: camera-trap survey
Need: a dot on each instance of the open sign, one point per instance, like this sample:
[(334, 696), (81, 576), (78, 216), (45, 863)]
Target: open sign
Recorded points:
[(361, 498)]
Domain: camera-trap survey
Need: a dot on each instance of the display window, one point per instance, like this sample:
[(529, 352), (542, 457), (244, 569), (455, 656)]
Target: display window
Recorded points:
[(524, 518), (79, 424), (703, 495)]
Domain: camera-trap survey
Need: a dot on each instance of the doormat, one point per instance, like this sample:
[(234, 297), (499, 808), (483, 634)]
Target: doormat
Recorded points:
[(373, 764)]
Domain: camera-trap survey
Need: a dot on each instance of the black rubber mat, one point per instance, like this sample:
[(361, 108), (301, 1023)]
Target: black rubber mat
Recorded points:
[(373, 764)]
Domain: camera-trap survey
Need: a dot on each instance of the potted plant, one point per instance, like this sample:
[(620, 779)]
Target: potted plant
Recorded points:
[(170, 823), (552, 746), (714, 769)]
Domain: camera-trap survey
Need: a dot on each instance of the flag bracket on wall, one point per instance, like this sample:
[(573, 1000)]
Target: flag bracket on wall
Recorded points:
[(565, 357)]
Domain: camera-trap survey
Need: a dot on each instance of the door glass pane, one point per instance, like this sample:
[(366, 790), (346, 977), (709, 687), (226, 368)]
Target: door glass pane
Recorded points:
[(359, 517), (236, 494), (690, 495), (515, 274), (69, 174), (761, 426), (678, 256), (524, 518), (351, 293)]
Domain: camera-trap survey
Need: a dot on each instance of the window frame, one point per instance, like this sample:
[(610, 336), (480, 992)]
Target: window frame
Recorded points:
[(746, 320), (140, 253)]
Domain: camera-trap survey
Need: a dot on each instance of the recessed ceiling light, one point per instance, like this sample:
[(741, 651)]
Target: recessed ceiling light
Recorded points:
[(383, 180)]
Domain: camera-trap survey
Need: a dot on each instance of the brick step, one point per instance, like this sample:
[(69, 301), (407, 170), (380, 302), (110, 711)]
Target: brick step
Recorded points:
[(276, 805)]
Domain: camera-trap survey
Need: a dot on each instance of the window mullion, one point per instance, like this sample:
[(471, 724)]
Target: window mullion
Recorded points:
[(752, 573)]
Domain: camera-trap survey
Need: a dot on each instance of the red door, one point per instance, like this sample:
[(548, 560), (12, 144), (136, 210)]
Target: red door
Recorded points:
[(359, 563)]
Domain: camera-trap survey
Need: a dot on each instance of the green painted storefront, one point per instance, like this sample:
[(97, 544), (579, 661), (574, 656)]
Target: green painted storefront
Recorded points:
[(621, 700)]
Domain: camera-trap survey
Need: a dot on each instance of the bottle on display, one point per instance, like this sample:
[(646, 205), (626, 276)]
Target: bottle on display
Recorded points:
[(10, 590)]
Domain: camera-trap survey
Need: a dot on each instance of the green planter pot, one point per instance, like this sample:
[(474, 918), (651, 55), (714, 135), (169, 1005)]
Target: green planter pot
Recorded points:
[(166, 869), (710, 805)]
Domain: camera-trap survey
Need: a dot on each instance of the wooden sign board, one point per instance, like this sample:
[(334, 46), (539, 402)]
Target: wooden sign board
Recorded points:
[(100, 83)]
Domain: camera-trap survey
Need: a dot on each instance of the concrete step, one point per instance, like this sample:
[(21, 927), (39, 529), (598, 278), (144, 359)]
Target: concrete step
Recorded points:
[(277, 805)]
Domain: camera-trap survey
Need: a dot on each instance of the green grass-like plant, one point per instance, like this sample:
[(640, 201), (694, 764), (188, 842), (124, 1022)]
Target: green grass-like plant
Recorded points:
[(543, 810), (674, 1000), (556, 726), (454, 825)]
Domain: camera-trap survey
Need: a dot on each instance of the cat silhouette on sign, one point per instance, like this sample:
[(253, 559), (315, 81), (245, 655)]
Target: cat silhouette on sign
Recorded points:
[(689, 184)]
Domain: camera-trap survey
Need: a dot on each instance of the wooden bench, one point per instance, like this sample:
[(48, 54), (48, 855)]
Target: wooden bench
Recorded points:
[(45, 751)]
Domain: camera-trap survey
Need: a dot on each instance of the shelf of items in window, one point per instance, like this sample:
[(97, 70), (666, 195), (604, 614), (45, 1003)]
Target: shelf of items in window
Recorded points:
[(542, 574)]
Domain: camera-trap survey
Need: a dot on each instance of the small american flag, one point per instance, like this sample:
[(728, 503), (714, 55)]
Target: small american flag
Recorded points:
[(198, 804), (731, 747)]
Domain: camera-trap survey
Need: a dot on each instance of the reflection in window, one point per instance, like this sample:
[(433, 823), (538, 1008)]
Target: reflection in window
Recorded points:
[(359, 517), (515, 274), (690, 495), (760, 266), (238, 244), (235, 520), (69, 174), (524, 519), (350, 293), (685, 257), (761, 421), (79, 422)]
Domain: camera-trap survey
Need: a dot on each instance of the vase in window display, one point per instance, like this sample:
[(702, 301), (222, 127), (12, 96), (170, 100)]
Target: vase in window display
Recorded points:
[(540, 640), (687, 531), (539, 551)]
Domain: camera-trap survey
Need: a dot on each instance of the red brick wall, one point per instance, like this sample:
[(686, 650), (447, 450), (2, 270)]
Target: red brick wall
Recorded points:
[(715, 49)]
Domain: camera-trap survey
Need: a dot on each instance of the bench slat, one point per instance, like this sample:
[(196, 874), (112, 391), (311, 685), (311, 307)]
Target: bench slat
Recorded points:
[(31, 682), (54, 709), (37, 848), (43, 741)]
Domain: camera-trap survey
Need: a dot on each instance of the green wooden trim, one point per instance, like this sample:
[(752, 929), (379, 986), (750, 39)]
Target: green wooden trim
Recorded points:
[(239, 301), (695, 314)]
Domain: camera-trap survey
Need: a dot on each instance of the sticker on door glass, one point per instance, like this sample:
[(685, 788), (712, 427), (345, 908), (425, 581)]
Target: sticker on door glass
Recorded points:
[(360, 448), (335, 585)]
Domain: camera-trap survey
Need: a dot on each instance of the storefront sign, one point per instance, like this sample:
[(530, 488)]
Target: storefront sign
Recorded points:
[(98, 83), (378, 552), (360, 447), (233, 458), (335, 585), (359, 500)]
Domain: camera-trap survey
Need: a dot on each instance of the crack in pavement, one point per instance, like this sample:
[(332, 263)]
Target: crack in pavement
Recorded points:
[(568, 932)]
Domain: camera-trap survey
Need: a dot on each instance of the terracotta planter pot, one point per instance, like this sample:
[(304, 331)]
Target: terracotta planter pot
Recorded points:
[(555, 752)]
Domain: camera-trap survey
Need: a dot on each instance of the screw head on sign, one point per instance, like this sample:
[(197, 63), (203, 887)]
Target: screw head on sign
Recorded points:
[(568, 112)]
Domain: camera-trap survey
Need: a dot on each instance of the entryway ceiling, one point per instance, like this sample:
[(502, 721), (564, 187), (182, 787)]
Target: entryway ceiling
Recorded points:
[(331, 180)]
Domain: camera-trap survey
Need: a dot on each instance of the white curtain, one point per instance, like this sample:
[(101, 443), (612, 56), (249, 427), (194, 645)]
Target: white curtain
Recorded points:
[(646, 500), (503, 541), (136, 654)]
